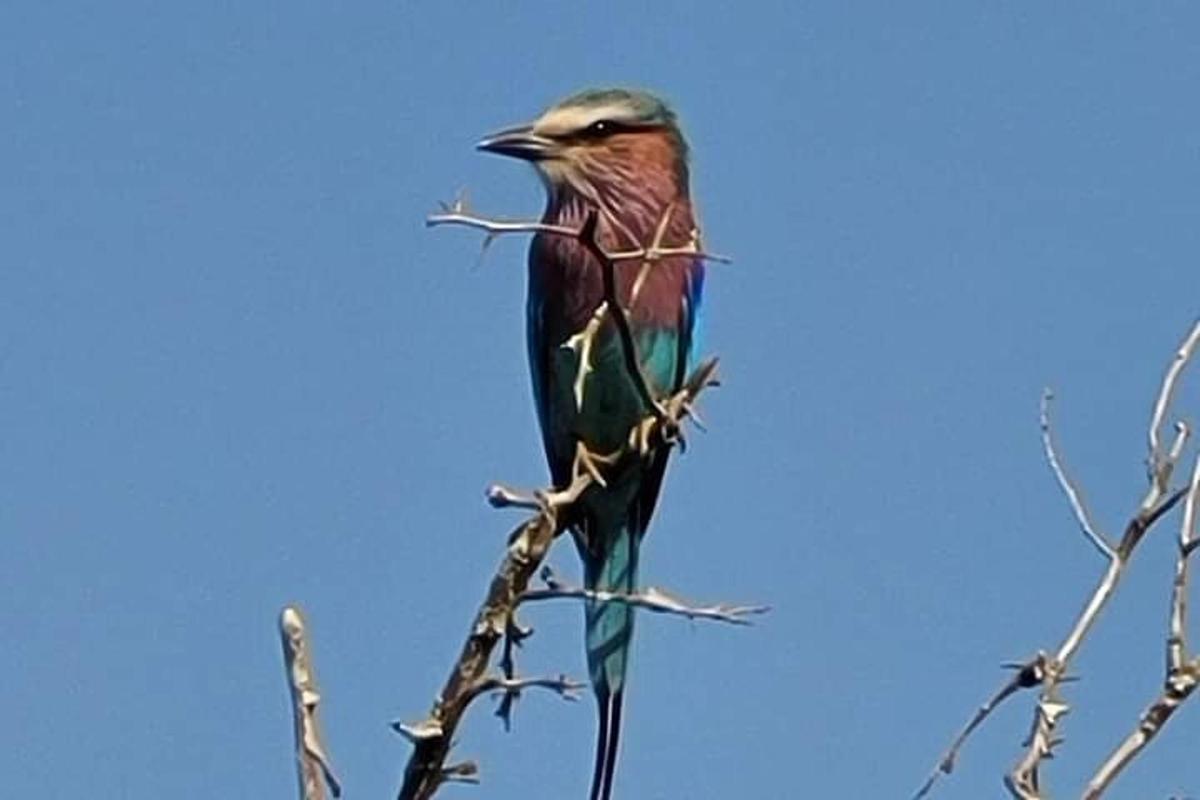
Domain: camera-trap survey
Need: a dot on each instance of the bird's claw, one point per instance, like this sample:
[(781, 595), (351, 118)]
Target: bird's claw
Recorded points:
[(589, 463)]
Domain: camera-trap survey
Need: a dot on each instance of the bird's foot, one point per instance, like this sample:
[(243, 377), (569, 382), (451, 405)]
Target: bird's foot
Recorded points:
[(589, 463)]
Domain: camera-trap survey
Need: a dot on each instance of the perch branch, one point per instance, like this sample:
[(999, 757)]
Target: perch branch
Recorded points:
[(312, 760), (432, 737), (589, 237), (1183, 671), (456, 214), (587, 234), (662, 427)]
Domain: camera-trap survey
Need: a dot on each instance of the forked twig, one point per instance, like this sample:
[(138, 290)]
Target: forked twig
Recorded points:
[(432, 737), (1182, 670), (1025, 676), (1049, 670), (1024, 780)]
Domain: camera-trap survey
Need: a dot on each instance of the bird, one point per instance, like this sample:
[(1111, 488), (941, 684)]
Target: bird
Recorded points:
[(615, 158)]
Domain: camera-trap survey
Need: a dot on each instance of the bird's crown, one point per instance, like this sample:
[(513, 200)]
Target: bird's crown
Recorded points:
[(599, 111)]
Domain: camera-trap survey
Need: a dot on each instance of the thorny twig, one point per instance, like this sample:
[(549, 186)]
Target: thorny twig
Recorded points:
[(563, 686), (650, 599), (587, 234), (312, 761), (456, 213), (1024, 676), (1050, 669), (528, 545)]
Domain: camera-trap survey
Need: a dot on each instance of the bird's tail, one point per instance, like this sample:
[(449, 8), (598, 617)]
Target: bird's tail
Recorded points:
[(609, 629)]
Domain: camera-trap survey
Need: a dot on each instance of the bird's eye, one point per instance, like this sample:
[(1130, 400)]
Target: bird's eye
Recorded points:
[(600, 127)]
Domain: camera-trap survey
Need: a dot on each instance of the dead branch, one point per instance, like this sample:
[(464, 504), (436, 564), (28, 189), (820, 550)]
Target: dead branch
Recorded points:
[(312, 760), (1025, 676), (1082, 516), (432, 737), (650, 599), (563, 686), (456, 213), (1183, 671), (1024, 780), (1050, 670), (587, 234)]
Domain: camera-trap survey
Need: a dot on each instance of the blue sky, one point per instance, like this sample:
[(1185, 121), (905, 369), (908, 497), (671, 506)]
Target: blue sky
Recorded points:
[(237, 371)]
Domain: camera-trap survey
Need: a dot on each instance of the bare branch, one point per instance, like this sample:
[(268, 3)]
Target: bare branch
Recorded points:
[(312, 760), (1026, 676), (528, 546), (660, 428), (588, 236), (1182, 673), (1023, 781), (650, 599), (561, 685), (493, 226), (1098, 540), (1177, 628), (1165, 395), (456, 214)]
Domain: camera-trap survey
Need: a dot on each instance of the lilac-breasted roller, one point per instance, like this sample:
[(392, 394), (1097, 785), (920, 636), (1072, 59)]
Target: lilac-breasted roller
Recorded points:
[(617, 154)]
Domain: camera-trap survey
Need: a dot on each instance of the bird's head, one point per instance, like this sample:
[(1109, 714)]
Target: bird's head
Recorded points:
[(603, 145)]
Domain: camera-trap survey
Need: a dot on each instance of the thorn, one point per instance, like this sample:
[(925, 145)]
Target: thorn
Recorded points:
[(462, 772), (518, 632), (487, 242), (423, 731), (505, 709), (488, 628), (549, 578), (689, 409)]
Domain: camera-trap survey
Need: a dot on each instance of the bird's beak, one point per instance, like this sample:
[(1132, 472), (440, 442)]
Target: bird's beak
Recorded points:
[(520, 142)]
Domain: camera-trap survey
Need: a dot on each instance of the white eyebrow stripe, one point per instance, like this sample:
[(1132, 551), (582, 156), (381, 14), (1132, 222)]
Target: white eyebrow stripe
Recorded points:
[(558, 121)]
